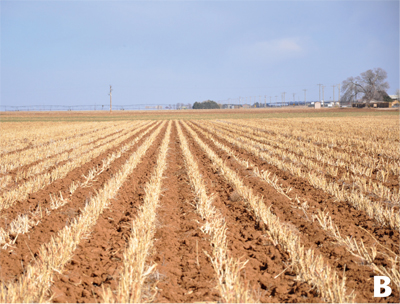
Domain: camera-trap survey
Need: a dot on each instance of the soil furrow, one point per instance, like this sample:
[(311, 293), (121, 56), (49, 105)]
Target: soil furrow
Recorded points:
[(344, 214), (14, 162), (17, 172), (272, 134), (98, 260), (246, 240), (312, 236), (306, 138), (185, 273), (15, 259), (42, 197), (392, 184), (23, 168), (30, 146)]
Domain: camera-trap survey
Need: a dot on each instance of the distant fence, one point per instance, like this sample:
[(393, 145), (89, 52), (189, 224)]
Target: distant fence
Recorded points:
[(85, 107), (142, 107)]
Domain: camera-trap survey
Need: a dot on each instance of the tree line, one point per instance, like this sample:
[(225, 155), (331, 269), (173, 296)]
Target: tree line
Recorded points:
[(208, 104)]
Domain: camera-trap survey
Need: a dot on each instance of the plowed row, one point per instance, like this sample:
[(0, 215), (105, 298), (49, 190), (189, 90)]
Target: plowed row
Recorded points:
[(194, 211)]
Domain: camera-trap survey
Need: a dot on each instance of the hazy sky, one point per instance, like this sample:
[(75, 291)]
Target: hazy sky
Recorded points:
[(164, 52)]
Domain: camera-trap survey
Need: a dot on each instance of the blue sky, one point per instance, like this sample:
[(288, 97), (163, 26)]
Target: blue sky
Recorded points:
[(165, 52)]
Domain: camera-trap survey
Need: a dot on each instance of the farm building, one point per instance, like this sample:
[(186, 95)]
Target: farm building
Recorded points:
[(375, 104)]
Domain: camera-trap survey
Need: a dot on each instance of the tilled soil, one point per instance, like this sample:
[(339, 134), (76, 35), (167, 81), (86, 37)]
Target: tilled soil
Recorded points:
[(180, 250), (265, 271), (14, 260), (392, 182), (15, 172), (348, 219), (185, 272), (98, 259)]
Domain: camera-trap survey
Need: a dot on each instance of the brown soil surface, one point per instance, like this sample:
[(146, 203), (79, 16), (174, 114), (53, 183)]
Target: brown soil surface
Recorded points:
[(300, 139), (21, 169), (345, 217), (143, 114), (246, 241), (14, 260), (98, 260), (391, 183), (185, 272), (30, 145), (42, 197)]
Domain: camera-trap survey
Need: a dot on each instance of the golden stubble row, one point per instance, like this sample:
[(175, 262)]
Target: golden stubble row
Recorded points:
[(364, 135), (319, 161), (78, 148), (38, 182), (356, 178), (34, 284), (24, 222), (227, 268), (135, 271), (13, 161), (354, 246), (17, 136), (356, 163), (310, 267), (384, 215), (13, 181)]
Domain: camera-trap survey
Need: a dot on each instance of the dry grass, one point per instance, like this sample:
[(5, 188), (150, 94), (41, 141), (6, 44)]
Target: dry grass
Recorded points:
[(38, 182), (135, 272), (227, 268), (34, 284), (309, 266), (382, 213)]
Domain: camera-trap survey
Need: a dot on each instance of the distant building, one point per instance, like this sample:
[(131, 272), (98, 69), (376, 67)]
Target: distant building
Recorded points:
[(246, 106), (317, 105), (373, 104), (231, 106)]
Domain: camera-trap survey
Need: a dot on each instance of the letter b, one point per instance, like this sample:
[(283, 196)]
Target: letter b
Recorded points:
[(378, 285)]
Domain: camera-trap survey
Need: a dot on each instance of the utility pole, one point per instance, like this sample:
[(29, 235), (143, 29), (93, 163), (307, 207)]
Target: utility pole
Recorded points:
[(339, 93), (110, 99), (319, 84), (333, 94), (323, 98), (283, 98), (305, 96), (293, 97), (265, 101)]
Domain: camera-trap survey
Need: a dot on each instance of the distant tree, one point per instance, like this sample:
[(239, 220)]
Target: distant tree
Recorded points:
[(197, 105), (371, 85), (208, 104), (386, 97)]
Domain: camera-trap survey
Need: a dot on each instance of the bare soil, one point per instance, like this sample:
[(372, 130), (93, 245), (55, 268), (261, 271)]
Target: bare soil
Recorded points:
[(184, 272), (348, 220)]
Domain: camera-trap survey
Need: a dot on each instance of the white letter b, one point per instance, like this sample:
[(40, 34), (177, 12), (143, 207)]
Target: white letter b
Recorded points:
[(378, 286)]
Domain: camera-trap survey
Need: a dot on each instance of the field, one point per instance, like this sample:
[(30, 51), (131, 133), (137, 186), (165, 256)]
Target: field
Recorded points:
[(276, 208)]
